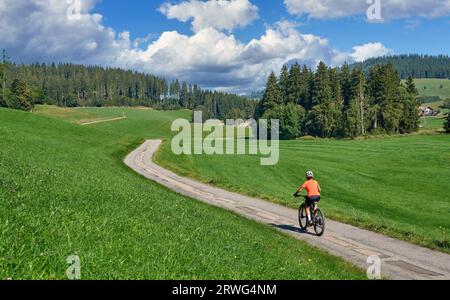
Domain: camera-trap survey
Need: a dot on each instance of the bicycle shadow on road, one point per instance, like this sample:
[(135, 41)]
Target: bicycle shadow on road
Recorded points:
[(291, 228)]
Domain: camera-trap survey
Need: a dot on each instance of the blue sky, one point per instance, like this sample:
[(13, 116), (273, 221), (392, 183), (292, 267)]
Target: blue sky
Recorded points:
[(410, 35), (229, 45)]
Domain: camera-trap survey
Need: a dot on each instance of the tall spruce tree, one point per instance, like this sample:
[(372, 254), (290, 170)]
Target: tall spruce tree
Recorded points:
[(305, 86), (294, 84), (175, 93), (21, 96), (346, 85), (284, 83), (184, 95), (336, 103), (391, 109), (351, 115), (2, 89), (447, 123), (411, 87), (321, 117), (383, 86), (273, 96), (352, 120), (321, 88), (359, 96), (409, 121)]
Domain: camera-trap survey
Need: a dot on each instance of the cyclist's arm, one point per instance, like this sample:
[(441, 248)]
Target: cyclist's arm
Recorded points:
[(300, 189), (320, 189)]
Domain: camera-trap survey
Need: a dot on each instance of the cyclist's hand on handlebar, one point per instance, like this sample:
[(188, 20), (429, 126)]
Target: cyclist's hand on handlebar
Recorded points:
[(296, 195)]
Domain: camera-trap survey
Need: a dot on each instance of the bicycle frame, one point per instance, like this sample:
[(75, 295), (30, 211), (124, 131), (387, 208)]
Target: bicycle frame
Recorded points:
[(315, 221)]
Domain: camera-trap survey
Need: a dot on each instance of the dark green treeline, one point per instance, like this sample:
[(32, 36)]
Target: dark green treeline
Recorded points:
[(69, 85), (412, 65), (339, 103)]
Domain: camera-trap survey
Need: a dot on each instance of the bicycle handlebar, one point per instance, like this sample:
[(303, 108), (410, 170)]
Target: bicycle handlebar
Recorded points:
[(298, 195)]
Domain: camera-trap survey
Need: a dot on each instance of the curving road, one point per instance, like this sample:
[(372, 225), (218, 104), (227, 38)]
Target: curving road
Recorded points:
[(399, 259)]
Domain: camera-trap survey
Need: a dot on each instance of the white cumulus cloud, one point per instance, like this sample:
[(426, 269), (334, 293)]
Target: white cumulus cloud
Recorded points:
[(363, 52), (220, 14), (219, 60), (43, 30), (211, 56)]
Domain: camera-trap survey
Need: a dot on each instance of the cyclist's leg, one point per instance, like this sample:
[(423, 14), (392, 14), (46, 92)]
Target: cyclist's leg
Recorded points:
[(315, 200), (308, 210), (316, 206)]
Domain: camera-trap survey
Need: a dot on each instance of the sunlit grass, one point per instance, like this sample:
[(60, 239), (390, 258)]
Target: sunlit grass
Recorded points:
[(393, 185), (64, 190)]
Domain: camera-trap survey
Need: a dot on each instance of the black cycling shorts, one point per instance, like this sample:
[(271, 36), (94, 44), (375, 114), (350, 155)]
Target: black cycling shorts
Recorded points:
[(311, 200)]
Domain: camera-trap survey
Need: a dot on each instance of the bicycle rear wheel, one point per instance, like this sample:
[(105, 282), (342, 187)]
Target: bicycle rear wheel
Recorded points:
[(319, 224), (303, 217)]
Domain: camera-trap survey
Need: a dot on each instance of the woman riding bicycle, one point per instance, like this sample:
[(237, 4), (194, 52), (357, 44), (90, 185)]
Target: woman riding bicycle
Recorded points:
[(313, 189)]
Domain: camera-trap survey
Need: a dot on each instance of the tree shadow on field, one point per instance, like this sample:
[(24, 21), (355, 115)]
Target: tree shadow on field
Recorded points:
[(291, 229)]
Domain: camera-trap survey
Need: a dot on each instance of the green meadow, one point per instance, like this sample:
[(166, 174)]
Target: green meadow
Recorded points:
[(433, 87), (433, 123), (393, 185), (64, 190)]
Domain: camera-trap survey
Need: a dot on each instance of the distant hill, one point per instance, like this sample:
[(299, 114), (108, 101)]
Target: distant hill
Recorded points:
[(433, 90), (417, 66)]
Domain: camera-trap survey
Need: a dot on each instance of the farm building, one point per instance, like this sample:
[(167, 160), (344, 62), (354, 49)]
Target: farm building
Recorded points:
[(426, 111)]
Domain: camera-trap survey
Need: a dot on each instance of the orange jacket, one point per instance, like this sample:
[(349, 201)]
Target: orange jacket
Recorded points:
[(312, 187)]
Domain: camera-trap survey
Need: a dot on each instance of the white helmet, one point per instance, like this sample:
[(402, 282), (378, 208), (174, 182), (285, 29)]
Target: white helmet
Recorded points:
[(309, 174)]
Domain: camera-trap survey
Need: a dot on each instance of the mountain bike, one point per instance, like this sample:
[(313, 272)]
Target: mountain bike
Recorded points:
[(317, 218)]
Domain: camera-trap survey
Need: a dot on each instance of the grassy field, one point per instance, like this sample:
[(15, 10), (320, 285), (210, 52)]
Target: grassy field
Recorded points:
[(433, 123), (79, 115), (64, 190), (397, 186), (433, 87)]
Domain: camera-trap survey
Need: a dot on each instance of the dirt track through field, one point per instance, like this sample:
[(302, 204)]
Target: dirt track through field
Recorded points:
[(102, 121), (399, 259)]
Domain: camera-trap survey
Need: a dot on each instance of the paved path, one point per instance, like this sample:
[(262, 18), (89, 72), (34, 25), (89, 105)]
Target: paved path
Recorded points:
[(102, 121), (400, 260)]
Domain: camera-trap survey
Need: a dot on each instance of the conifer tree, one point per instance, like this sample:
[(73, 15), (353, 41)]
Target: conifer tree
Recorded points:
[(358, 93), (321, 91), (447, 123), (410, 117), (411, 87), (272, 96), (294, 83), (3, 70), (284, 83), (20, 96), (305, 87), (336, 105), (2, 89)]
